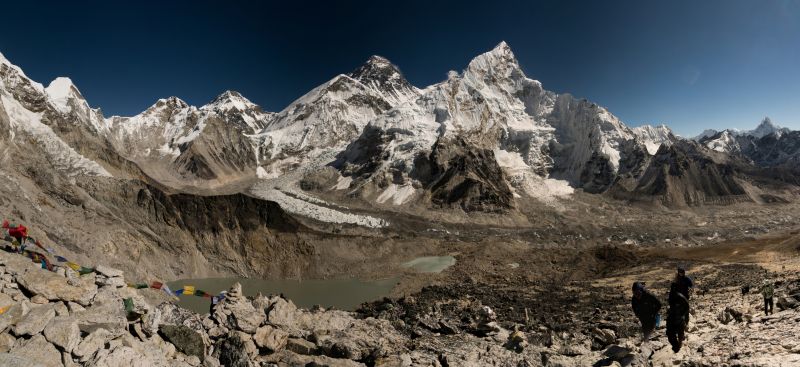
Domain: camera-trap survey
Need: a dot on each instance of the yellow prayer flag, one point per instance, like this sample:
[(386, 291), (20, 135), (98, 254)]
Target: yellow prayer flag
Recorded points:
[(188, 290), (4, 309), (74, 266)]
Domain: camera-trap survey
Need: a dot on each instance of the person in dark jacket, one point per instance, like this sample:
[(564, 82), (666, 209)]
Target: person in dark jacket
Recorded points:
[(677, 317), (646, 307), (768, 290), (685, 284)]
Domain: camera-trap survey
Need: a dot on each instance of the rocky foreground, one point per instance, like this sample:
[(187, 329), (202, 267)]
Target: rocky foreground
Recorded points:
[(65, 319)]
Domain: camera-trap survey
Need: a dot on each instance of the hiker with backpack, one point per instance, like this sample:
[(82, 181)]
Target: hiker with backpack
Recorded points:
[(768, 291), (677, 316), (16, 231), (646, 307)]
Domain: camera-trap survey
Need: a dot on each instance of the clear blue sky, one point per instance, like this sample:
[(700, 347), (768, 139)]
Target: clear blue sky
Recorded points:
[(690, 64)]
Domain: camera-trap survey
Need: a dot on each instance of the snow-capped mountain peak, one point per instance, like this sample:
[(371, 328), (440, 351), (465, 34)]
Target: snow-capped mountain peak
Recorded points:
[(653, 136), (731, 140), (724, 141), (60, 91), (5, 62), (32, 111), (166, 105), (502, 50), (376, 67), (379, 74), (15, 80), (499, 62), (379, 61), (766, 127), (230, 100), (61, 87), (491, 106), (67, 99), (707, 133)]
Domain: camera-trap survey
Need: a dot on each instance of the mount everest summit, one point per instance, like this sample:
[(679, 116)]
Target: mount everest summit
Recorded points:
[(486, 139)]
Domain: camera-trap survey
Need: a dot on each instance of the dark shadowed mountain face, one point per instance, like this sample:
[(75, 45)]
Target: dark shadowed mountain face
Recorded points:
[(385, 78), (686, 173), (467, 176), (773, 150)]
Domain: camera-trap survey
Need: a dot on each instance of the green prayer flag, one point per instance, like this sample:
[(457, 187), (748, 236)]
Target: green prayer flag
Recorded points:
[(128, 304)]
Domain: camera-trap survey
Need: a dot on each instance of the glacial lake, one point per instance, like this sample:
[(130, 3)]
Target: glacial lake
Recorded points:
[(430, 264), (343, 294)]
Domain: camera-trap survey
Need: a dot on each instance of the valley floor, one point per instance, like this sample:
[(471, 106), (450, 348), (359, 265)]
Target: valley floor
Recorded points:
[(581, 309)]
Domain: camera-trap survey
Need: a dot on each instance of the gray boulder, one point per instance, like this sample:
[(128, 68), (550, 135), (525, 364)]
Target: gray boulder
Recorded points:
[(54, 287), (38, 350), (64, 333), (35, 321), (235, 312), (91, 344), (106, 314), (271, 338), (128, 357), (186, 340), (13, 315), (301, 346), (282, 312), (108, 271), (231, 352), (7, 359), (7, 342)]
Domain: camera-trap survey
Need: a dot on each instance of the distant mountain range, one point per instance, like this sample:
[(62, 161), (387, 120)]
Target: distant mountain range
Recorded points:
[(766, 127), (486, 139)]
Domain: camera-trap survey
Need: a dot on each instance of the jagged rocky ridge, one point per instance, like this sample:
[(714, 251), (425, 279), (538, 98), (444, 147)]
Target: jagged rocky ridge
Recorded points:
[(683, 174)]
